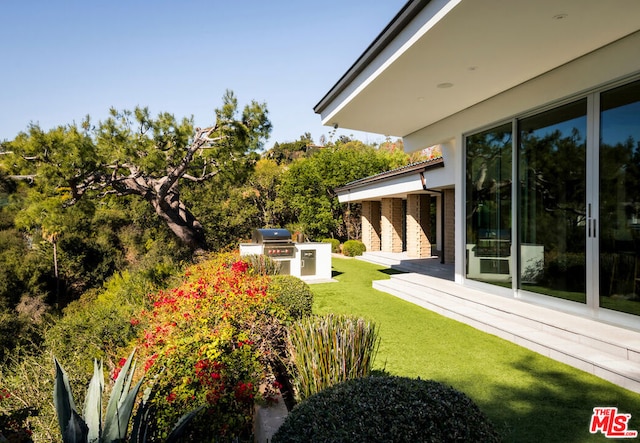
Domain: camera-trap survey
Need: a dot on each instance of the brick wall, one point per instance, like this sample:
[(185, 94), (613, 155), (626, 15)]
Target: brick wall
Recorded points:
[(371, 225), (418, 225), (391, 209), (449, 226)]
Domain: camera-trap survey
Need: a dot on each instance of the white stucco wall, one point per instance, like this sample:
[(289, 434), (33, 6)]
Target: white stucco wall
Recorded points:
[(323, 261)]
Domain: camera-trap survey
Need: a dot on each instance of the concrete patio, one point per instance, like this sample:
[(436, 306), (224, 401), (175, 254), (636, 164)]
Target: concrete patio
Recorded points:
[(609, 352)]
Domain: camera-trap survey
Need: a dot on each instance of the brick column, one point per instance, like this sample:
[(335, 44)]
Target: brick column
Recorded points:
[(371, 225), (418, 225), (449, 226), (391, 209)]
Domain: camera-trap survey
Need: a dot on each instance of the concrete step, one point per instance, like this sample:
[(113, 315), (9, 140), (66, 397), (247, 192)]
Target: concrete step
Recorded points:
[(402, 262), (606, 351), (379, 259)]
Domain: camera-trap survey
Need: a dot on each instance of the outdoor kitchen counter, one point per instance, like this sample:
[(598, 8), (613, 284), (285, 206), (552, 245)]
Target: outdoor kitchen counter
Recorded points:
[(311, 261)]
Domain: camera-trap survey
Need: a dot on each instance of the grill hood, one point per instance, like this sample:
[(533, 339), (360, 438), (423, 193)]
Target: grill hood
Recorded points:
[(271, 236)]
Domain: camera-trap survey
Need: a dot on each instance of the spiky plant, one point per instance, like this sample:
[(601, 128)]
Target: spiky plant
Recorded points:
[(90, 427)]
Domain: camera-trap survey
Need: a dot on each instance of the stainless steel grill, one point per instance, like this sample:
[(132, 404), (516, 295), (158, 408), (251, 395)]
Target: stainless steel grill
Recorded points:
[(275, 243)]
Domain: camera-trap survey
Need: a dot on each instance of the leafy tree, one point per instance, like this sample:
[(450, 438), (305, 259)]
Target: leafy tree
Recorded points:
[(284, 153), (23, 270), (7, 187), (132, 153), (226, 211), (308, 185), (262, 190)]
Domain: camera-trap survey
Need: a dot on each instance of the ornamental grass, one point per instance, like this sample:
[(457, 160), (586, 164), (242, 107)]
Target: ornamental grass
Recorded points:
[(330, 349)]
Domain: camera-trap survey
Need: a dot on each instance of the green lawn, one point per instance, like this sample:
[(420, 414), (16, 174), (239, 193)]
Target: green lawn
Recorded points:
[(530, 398)]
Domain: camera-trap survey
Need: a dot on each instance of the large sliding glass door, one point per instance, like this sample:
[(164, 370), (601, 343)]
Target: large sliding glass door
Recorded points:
[(620, 199), (565, 185), (552, 205), (488, 188)]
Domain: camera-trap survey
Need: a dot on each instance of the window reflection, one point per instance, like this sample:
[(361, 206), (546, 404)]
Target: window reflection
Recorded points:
[(552, 171), (552, 195), (620, 199), (489, 205)]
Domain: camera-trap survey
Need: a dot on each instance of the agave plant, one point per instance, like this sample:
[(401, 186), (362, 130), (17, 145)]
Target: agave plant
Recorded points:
[(90, 427)]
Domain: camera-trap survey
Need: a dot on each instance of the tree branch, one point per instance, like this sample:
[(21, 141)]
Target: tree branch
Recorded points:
[(202, 178), (23, 177), (200, 140)]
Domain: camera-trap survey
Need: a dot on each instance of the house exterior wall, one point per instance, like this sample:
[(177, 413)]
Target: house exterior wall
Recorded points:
[(392, 224), (617, 63), (371, 229)]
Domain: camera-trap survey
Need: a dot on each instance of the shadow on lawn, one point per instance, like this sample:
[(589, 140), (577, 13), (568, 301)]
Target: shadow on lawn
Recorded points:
[(555, 408), (336, 273)]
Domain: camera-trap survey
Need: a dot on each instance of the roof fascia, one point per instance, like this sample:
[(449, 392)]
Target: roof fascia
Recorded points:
[(405, 170), (408, 12)]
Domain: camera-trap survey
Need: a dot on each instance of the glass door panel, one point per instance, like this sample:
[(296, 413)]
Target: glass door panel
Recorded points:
[(552, 216), (488, 193), (619, 239)]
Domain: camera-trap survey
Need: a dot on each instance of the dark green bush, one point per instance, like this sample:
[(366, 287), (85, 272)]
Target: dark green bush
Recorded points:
[(351, 248), (293, 294), (335, 244), (389, 409)]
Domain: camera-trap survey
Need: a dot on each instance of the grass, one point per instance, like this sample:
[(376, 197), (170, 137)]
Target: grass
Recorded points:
[(331, 349), (529, 397)]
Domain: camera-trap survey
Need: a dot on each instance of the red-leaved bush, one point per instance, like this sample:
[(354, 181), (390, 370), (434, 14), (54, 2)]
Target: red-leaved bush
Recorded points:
[(211, 341)]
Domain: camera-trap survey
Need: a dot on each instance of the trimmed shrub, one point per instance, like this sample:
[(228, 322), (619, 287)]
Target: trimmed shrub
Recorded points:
[(292, 294), (351, 248), (389, 409), (330, 349), (335, 244)]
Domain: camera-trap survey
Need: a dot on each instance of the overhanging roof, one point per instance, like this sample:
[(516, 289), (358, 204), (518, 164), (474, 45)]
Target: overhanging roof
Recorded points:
[(394, 183), (413, 168), (439, 57)]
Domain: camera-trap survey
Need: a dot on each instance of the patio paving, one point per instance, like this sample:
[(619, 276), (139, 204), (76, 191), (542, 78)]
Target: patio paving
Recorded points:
[(607, 351)]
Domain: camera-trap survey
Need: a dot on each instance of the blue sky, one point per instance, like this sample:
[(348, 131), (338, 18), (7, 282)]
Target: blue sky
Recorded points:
[(62, 60)]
